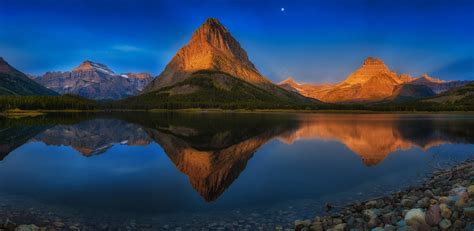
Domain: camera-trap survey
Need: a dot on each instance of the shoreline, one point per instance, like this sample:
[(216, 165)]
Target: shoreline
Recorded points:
[(18, 113), (444, 202)]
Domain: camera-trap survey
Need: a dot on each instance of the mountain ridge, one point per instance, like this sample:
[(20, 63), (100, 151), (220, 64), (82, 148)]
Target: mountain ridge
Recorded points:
[(15, 82), (95, 81)]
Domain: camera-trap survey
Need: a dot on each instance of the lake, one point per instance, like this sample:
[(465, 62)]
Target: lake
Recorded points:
[(215, 170)]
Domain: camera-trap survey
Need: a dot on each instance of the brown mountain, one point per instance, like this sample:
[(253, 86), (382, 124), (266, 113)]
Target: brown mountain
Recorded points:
[(306, 89), (211, 47), (95, 81), (14, 82), (372, 82), (213, 55)]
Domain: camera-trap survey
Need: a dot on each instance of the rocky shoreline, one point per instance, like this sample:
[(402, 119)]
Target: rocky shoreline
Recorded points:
[(445, 202)]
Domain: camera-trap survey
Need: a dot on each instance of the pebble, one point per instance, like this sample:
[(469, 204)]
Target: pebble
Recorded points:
[(27, 228), (433, 215), (469, 212), (415, 216), (445, 224)]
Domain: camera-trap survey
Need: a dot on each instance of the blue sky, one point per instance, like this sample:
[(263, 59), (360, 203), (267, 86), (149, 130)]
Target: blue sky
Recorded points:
[(314, 41)]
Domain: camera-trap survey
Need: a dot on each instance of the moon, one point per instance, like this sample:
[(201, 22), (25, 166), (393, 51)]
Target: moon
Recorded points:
[(282, 9)]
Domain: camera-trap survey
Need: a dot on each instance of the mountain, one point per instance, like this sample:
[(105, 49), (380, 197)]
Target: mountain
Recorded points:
[(373, 82), (309, 90), (437, 85), (405, 92), (95, 81), (96, 136), (214, 64), (460, 96), (14, 82)]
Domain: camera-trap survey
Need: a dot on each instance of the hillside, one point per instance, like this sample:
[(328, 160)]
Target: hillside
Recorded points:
[(462, 96), (210, 89), (407, 92), (14, 82)]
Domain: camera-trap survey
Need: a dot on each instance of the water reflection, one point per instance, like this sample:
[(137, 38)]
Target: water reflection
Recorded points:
[(213, 149)]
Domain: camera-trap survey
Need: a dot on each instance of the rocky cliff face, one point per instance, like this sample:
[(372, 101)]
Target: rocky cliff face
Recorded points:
[(14, 82), (211, 47), (95, 81)]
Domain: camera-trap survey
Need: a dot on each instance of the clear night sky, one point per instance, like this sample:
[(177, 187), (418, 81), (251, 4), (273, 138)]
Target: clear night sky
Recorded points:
[(314, 41)]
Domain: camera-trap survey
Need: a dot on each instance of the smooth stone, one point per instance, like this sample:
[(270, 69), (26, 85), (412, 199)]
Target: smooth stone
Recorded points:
[(339, 227), (470, 190), (458, 224), (369, 214), (407, 203), (390, 228), (371, 204), (374, 222), (428, 193), (423, 202), (445, 211), (378, 229), (469, 227), (469, 212), (445, 224), (415, 216), (27, 228), (433, 215), (451, 200), (401, 223)]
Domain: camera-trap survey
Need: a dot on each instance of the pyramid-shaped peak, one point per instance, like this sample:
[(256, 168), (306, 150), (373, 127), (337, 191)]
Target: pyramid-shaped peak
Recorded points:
[(88, 65), (211, 31), (213, 22), (290, 81), (373, 61)]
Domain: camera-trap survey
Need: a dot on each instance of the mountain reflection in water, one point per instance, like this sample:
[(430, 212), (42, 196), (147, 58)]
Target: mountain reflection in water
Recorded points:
[(212, 149)]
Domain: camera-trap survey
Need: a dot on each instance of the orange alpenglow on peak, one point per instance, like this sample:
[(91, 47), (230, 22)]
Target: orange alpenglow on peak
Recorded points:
[(372, 61), (92, 66), (290, 81), (211, 47)]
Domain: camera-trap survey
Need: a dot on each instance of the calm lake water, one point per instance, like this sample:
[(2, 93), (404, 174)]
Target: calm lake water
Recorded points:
[(217, 169)]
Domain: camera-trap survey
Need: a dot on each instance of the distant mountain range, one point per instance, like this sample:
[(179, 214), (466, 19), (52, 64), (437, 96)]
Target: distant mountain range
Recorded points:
[(373, 82), (214, 71), (95, 81)]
